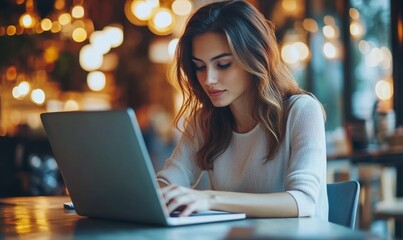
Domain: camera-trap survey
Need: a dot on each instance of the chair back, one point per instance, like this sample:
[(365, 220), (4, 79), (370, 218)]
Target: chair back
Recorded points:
[(343, 200)]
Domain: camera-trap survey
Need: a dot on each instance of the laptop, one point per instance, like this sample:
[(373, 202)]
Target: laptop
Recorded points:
[(107, 170)]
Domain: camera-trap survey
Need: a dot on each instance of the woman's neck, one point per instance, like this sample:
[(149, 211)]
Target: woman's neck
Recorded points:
[(244, 121)]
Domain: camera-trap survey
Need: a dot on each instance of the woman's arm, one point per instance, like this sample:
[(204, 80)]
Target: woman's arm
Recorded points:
[(180, 167), (305, 176), (253, 204)]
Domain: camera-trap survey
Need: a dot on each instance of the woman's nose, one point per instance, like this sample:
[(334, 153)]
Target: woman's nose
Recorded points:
[(211, 76)]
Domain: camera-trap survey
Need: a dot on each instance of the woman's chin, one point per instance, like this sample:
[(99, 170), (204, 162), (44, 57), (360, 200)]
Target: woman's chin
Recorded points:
[(220, 104)]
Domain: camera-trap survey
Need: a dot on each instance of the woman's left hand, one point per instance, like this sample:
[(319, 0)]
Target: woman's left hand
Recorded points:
[(186, 199)]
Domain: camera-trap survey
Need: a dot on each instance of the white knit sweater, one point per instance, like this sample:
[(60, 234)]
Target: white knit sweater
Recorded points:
[(299, 167)]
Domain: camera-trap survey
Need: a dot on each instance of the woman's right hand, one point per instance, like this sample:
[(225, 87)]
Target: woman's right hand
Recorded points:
[(184, 199)]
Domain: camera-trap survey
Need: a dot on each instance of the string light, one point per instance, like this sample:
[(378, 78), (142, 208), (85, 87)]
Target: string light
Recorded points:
[(160, 20), (38, 96), (64, 19), (162, 23), (384, 89), (182, 7), (46, 24), (79, 34), (77, 11), (96, 80), (329, 50)]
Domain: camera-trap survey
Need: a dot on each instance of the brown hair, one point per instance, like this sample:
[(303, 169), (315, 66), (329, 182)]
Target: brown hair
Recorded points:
[(253, 44)]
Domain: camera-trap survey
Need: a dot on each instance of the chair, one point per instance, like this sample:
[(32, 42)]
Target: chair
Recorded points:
[(343, 200)]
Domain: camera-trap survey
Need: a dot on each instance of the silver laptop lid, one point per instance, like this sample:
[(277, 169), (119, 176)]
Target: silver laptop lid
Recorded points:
[(105, 165)]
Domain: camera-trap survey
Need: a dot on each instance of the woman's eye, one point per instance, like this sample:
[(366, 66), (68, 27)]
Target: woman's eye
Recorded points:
[(199, 68), (224, 66)]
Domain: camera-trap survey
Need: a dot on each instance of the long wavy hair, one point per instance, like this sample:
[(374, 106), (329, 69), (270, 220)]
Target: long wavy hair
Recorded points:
[(252, 41)]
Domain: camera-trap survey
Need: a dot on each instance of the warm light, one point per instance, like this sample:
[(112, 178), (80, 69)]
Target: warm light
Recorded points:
[(129, 9), (27, 21), (99, 41), (289, 54), (90, 59), (38, 96), (64, 19), (96, 81), (153, 3), (310, 25), (56, 27), (34, 122), (77, 11), (295, 52), (114, 35), (383, 90), (182, 7), (22, 220), (162, 22), (54, 105), (51, 54), (329, 20), (141, 10), (23, 88), (16, 93), (79, 35), (2, 31), (303, 51), (356, 29), (162, 19), (11, 30), (172, 48), (330, 51), (46, 24), (289, 5), (71, 105), (329, 31), (158, 51), (354, 14), (11, 73), (59, 4)]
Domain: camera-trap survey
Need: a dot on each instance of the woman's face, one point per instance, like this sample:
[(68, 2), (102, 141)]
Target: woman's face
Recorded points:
[(222, 78)]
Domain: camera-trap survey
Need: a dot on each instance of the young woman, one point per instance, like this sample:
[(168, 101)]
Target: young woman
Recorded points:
[(258, 135)]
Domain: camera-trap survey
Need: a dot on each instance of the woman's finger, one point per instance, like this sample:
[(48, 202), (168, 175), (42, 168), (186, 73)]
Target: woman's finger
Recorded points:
[(172, 192), (189, 209), (180, 201)]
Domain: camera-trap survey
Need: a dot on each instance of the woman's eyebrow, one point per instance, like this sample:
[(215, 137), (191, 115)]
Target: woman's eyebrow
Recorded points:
[(213, 58)]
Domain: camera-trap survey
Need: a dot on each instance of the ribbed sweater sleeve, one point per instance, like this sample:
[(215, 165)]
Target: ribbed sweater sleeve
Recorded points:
[(307, 163), (181, 167)]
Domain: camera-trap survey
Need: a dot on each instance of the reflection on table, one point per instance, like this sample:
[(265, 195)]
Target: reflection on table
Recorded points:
[(45, 218)]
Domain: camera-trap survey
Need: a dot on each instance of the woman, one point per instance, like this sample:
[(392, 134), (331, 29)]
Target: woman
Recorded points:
[(260, 137)]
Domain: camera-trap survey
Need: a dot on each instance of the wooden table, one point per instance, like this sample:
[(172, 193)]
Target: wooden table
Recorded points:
[(45, 218)]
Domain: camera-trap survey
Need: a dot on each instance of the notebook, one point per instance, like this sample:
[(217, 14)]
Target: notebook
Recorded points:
[(107, 170)]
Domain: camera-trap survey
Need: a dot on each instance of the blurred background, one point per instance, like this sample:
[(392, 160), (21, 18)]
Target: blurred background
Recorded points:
[(63, 55)]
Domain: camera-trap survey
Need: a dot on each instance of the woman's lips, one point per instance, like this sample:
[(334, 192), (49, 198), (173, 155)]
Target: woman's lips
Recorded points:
[(215, 93)]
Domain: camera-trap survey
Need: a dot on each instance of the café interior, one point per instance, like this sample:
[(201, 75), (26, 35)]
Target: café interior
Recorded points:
[(68, 55)]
